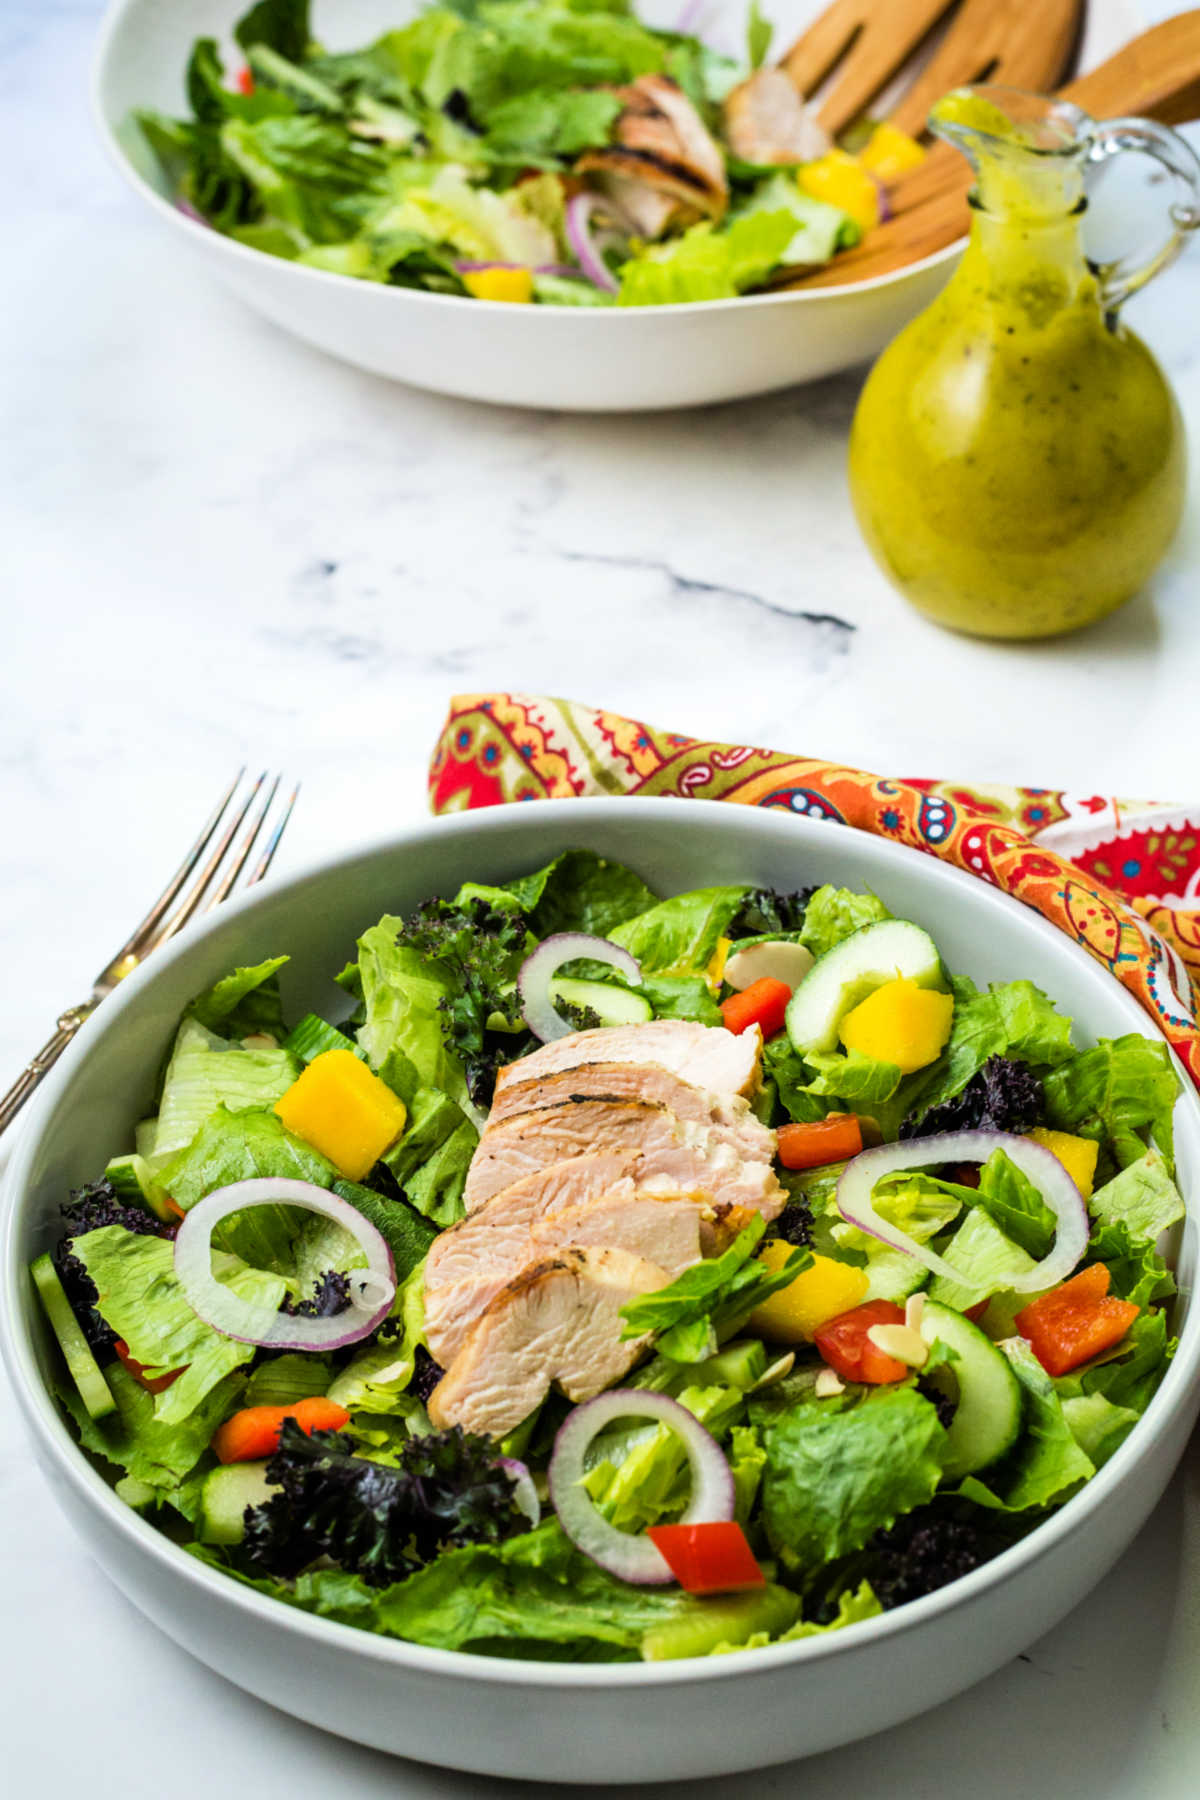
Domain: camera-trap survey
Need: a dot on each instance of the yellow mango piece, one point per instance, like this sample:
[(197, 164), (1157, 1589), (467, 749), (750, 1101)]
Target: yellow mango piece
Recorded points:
[(1077, 1155), (890, 153), (825, 1289), (840, 180), (714, 975), (344, 1111), (499, 284), (900, 1023)]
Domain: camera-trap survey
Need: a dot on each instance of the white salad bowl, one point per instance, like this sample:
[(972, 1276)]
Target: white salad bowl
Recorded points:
[(541, 1721), (566, 358)]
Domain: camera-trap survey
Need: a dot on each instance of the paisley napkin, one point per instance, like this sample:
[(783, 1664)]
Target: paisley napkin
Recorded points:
[(1121, 877)]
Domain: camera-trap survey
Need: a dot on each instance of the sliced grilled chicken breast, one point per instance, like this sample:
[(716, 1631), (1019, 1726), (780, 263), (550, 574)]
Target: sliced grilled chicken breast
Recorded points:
[(660, 143), (706, 1055), (533, 1141), (559, 1322), (727, 1114), (767, 121)]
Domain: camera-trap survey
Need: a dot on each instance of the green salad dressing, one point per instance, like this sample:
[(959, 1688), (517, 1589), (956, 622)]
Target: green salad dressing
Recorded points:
[(1017, 461)]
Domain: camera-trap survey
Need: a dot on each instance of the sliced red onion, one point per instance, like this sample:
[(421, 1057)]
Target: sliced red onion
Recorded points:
[(551, 268), (524, 1493), (581, 209), (1041, 1166), (475, 268), (372, 1289), (628, 1555), (189, 211), (885, 205), (539, 968)]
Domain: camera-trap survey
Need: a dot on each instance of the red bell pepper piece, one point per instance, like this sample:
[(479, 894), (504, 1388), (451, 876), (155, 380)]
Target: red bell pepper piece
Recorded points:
[(844, 1344), (831, 1140), (763, 1003), (1074, 1322), (245, 80), (153, 1384), (711, 1558)]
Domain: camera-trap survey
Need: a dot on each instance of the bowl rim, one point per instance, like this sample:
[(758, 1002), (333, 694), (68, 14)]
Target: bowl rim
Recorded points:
[(197, 234), (46, 1422)]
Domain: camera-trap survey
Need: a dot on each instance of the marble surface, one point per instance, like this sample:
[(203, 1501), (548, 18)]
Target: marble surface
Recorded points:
[(219, 546)]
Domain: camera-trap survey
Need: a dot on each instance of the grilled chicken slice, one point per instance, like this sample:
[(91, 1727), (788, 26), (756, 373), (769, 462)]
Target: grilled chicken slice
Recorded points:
[(470, 1264), (533, 1141), (767, 121), (559, 1321), (727, 1114), (706, 1055), (663, 149)]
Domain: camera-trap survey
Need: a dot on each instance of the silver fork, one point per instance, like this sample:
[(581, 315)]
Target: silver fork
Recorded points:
[(215, 880)]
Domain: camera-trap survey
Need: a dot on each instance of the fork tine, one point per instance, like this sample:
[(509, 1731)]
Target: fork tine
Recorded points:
[(242, 855), (264, 862), (136, 940), (199, 887)]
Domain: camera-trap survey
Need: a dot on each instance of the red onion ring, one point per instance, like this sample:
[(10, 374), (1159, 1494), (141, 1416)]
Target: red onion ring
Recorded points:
[(629, 1556), (1039, 1164), (524, 1493), (580, 211), (538, 969), (372, 1289)]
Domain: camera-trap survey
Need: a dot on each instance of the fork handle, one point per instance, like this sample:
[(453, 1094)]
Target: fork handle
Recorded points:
[(33, 1072)]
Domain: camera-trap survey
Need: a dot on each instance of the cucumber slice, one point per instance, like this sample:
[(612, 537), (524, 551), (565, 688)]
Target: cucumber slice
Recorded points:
[(84, 1369), (137, 1494), (614, 1005), (853, 969), (728, 1619), (313, 1036), (226, 1494), (988, 1418), (133, 1181)]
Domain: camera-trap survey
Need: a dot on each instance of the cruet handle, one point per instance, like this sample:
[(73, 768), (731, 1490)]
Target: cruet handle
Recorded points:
[(1127, 274)]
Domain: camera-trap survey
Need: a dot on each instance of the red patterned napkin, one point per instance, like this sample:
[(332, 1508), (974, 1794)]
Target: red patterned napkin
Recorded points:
[(1121, 877)]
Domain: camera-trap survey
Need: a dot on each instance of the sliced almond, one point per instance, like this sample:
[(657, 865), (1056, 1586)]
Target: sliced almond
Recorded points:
[(902, 1342), (914, 1310), (828, 1384), (776, 960)]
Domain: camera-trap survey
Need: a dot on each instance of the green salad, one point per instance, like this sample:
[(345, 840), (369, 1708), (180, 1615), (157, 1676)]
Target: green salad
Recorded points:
[(550, 151), (621, 1277)]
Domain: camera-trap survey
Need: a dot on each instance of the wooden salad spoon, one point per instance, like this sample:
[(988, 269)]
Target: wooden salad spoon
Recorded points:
[(864, 45), (1156, 75)]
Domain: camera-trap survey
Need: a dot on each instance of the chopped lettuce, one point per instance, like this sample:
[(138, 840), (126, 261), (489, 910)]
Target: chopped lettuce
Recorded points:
[(240, 1146), (480, 225), (1015, 1204), (680, 936), (706, 263), (818, 229), (206, 1072), (1132, 1378), (145, 1305), (1098, 1427), (281, 1380), (1122, 1094), (1138, 1272), (1142, 1198), (710, 1298), (1013, 1019), (840, 1470), (580, 891), (642, 1476), (243, 1003), (401, 993), (836, 913), (988, 1263), (861, 1081), (137, 1439)]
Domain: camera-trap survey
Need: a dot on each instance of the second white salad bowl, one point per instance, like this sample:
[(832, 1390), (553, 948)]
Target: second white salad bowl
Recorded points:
[(566, 358), (545, 1721)]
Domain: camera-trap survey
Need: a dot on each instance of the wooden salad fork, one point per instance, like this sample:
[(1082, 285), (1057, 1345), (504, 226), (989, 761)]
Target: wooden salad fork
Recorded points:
[(861, 46), (195, 886), (1156, 75)]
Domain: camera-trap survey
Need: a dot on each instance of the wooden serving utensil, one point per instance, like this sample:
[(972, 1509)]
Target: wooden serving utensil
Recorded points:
[(1023, 43), (1156, 74)]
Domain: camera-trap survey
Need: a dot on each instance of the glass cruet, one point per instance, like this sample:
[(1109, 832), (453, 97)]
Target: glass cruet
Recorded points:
[(1017, 459)]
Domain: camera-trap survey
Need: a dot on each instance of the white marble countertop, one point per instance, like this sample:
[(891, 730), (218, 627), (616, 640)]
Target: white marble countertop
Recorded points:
[(220, 546)]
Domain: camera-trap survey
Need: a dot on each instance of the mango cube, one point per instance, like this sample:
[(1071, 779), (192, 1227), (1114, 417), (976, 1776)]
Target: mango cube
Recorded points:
[(840, 180), (344, 1111), (890, 153), (1076, 1154), (499, 284), (825, 1289), (900, 1023)]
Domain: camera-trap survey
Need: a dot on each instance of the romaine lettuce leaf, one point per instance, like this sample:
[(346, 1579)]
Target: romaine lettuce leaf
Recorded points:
[(144, 1303), (862, 1081), (707, 264), (987, 1260), (642, 1476), (1122, 1093), (136, 1440), (836, 913), (1013, 1019), (1098, 1427), (281, 24), (477, 222), (1131, 1379), (408, 1236), (818, 229), (690, 1315), (281, 1380), (836, 1473), (580, 891), (1142, 1198), (309, 172), (679, 936), (241, 1146), (1015, 1204), (401, 993), (376, 1378), (243, 1003), (1138, 1272), (205, 1073)]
